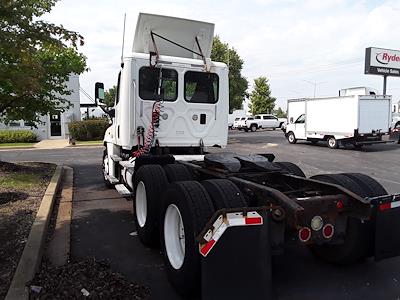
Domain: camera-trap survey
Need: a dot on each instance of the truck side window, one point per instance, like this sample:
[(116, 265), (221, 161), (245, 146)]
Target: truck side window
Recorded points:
[(118, 86), (201, 87), (148, 83), (301, 119), (258, 117)]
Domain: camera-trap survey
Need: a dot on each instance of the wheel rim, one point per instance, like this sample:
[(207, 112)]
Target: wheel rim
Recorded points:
[(332, 142), (174, 236), (253, 128), (291, 137), (141, 204)]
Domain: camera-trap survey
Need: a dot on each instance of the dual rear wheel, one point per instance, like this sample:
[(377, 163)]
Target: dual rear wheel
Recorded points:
[(359, 239), (172, 209)]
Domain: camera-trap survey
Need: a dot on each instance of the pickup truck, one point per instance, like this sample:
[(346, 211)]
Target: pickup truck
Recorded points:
[(248, 123), (267, 121)]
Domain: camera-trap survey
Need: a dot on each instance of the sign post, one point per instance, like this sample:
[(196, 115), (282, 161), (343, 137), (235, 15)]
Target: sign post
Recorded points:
[(384, 62)]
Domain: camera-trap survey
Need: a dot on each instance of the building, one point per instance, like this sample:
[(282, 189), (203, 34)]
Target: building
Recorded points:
[(55, 126)]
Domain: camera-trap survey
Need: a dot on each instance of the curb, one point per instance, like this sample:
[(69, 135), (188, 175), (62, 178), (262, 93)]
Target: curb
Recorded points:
[(15, 148), (85, 145), (58, 249), (32, 254)]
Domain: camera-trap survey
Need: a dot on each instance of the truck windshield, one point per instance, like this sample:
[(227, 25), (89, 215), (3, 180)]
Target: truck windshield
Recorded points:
[(201, 87), (148, 83)]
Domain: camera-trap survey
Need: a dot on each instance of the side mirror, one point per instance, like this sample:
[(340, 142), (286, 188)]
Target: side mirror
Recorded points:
[(99, 93)]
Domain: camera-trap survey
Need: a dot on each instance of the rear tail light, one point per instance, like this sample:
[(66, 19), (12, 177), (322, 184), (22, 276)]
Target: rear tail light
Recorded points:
[(304, 234), (328, 230)]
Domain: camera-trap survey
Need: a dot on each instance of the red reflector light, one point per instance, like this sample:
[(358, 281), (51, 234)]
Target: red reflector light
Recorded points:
[(257, 220), (207, 247), (339, 205), (385, 206), (328, 231), (304, 234)]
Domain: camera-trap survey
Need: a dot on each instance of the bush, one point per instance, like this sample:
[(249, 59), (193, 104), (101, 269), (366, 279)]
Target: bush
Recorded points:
[(17, 136), (88, 129)]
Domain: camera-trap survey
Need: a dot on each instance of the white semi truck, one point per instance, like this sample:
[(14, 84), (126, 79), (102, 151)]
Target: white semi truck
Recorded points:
[(348, 119), (219, 217)]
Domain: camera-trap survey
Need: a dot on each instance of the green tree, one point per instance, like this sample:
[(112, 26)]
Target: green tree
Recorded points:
[(280, 113), (109, 96), (36, 60), (237, 83), (261, 100)]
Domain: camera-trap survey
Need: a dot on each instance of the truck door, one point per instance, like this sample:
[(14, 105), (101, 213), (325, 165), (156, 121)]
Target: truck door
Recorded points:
[(300, 127)]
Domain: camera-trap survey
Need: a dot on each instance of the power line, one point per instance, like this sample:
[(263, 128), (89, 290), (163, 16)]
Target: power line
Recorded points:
[(87, 95)]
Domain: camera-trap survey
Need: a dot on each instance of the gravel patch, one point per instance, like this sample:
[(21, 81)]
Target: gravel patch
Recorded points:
[(18, 207), (86, 279)]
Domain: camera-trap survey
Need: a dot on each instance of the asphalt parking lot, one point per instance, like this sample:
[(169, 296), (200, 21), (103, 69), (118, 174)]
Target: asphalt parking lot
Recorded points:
[(102, 221)]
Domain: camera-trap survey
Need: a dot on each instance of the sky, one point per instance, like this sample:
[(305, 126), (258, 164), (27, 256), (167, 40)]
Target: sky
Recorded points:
[(296, 44)]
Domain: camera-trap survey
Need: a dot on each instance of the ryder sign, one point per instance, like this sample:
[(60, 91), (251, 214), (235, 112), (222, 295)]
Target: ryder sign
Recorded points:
[(382, 62)]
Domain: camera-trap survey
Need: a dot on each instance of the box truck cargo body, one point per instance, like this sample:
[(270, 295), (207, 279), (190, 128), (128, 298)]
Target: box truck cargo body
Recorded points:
[(354, 119)]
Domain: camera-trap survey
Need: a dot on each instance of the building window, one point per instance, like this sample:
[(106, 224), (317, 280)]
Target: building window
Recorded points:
[(14, 124), (201, 87), (149, 80), (29, 124)]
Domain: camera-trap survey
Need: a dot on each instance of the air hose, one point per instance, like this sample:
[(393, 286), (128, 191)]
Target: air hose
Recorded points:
[(149, 138)]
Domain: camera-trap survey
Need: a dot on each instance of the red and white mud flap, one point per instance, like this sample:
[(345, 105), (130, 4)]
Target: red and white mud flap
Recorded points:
[(387, 224), (236, 257)]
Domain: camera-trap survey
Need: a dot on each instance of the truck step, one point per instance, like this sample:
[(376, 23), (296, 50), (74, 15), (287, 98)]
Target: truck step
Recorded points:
[(123, 191), (112, 179), (126, 164), (115, 158)]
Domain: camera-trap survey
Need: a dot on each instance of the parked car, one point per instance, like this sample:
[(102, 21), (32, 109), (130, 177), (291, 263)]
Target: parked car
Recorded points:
[(267, 121), (248, 123), (236, 123), (283, 127), (282, 122), (395, 119), (395, 134)]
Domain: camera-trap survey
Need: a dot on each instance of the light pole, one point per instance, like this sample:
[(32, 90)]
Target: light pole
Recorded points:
[(315, 83)]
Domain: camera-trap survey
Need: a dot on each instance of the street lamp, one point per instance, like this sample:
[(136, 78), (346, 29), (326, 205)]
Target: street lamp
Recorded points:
[(315, 83)]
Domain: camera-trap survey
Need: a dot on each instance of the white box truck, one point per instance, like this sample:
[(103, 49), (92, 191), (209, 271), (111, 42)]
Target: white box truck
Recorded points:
[(354, 119)]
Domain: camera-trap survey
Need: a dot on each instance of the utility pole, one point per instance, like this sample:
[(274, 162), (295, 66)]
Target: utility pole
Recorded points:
[(315, 83)]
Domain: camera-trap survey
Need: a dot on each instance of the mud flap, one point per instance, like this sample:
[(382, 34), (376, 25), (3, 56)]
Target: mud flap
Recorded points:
[(387, 237), (238, 265)]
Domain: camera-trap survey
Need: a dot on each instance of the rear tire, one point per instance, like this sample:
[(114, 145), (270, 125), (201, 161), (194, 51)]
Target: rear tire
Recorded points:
[(149, 186), (177, 172), (182, 258), (253, 128), (332, 142), (373, 187), (291, 138), (358, 241), (224, 193), (291, 168)]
